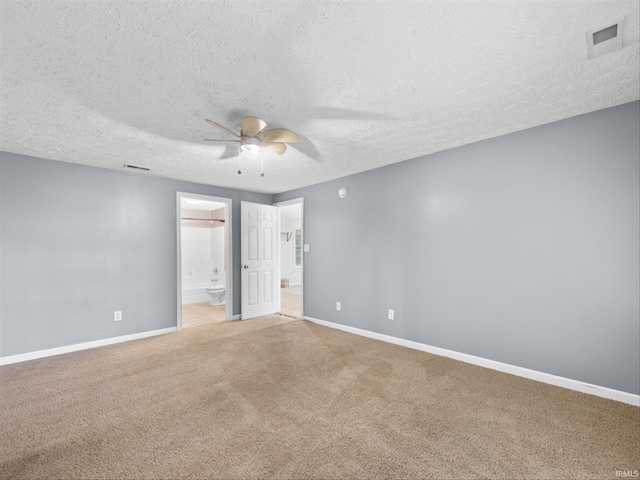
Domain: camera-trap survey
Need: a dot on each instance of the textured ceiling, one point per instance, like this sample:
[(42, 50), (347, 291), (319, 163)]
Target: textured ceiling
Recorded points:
[(364, 83)]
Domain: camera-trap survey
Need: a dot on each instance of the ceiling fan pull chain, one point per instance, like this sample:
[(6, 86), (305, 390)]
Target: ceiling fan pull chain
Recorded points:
[(261, 163)]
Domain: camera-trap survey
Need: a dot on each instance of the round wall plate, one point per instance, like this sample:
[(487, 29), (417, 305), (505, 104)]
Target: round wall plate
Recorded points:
[(342, 192)]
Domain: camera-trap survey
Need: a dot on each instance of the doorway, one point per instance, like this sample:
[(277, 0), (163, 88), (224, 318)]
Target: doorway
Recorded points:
[(204, 250), (291, 258)]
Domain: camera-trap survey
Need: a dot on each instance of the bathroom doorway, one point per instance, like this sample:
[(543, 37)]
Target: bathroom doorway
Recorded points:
[(290, 222), (203, 260)]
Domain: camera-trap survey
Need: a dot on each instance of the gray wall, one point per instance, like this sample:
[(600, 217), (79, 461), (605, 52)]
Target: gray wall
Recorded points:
[(521, 249), (77, 243)]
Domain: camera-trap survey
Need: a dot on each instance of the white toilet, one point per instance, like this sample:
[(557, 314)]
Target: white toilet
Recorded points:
[(216, 292)]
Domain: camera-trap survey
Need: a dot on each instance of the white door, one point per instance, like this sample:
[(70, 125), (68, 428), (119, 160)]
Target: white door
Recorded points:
[(259, 257)]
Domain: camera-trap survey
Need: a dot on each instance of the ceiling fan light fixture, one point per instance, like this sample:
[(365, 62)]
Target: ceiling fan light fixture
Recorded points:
[(249, 147), (250, 144)]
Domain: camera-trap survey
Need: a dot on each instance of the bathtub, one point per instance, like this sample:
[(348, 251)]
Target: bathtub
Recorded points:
[(195, 294)]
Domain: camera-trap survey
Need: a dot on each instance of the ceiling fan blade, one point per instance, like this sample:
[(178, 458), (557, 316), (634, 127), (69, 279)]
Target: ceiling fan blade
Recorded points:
[(252, 125), (216, 140), (224, 129), (277, 135), (276, 147)]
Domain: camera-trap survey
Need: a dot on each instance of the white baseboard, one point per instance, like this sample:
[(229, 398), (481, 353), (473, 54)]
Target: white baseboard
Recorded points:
[(576, 385), (23, 357)]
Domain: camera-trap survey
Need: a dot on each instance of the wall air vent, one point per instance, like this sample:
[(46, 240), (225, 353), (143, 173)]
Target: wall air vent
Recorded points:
[(604, 40), (137, 167)]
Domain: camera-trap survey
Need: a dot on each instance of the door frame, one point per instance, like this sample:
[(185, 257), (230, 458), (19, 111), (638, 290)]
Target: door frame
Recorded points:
[(228, 237), (286, 203)]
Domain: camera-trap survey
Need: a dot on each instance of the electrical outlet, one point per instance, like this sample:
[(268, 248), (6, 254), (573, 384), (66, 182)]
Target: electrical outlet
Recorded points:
[(117, 315), (338, 306), (391, 314)]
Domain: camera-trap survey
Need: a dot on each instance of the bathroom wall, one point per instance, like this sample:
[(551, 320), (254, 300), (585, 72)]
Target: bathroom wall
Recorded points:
[(196, 253), (202, 251), (78, 243), (218, 251), (521, 249)]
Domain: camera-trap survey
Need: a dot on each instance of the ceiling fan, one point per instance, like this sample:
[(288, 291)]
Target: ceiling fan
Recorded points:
[(253, 137)]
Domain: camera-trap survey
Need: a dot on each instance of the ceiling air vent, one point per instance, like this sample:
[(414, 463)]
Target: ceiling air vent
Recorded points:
[(137, 167), (605, 40)]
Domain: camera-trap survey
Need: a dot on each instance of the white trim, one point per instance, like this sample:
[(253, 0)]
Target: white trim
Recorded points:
[(23, 357), (228, 232), (604, 392)]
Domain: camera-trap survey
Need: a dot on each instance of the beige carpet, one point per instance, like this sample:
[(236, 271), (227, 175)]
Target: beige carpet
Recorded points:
[(280, 398)]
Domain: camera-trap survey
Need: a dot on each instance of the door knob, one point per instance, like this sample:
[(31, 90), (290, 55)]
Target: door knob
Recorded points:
[(245, 267)]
